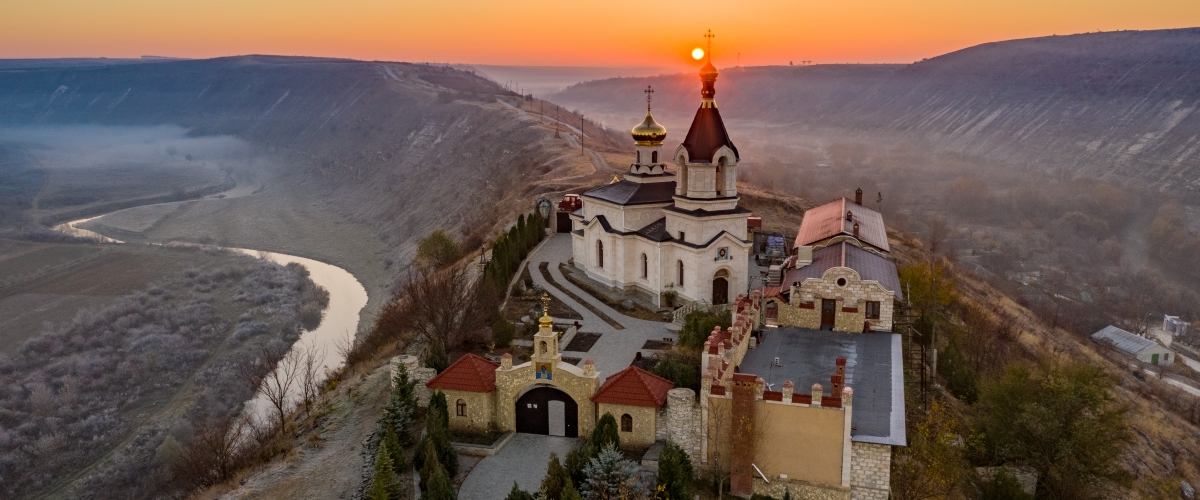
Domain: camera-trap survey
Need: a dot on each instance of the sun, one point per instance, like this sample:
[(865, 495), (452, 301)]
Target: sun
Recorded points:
[(697, 53)]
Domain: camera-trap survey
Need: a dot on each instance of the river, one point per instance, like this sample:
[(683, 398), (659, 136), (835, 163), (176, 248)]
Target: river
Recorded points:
[(347, 297)]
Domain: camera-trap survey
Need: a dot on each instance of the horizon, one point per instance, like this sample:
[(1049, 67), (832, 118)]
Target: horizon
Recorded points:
[(535, 33)]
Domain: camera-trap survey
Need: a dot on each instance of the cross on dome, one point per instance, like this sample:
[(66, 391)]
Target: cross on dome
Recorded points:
[(649, 95)]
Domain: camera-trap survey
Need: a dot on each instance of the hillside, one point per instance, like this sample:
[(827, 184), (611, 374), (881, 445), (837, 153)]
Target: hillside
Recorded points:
[(1110, 105)]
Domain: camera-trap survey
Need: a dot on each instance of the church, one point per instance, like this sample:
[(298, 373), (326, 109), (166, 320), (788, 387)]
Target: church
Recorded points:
[(677, 230)]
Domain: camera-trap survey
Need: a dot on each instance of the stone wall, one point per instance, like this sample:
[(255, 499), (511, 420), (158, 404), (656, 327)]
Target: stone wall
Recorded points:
[(644, 426), (578, 383), (415, 372), (680, 419), (804, 310), (870, 471), (480, 410), (801, 490)]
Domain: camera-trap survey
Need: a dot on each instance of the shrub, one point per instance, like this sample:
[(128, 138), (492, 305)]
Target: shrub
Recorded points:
[(503, 332), (675, 473), (556, 479), (391, 446), (605, 433), (516, 493), (384, 486), (438, 487), (681, 368), (698, 325)]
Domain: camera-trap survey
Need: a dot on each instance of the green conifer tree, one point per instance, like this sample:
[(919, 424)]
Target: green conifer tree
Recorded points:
[(391, 446), (556, 479), (675, 473), (570, 493), (606, 432), (439, 487), (385, 485)]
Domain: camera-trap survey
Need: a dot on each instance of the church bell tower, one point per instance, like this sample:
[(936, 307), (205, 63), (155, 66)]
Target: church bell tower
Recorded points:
[(707, 160)]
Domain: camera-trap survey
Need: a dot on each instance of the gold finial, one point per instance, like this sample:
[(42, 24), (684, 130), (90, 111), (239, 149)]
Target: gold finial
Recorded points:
[(649, 95), (615, 179), (545, 320)]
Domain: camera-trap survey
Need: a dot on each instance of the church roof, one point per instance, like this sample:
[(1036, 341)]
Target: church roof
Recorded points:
[(656, 231), (634, 386), (829, 220), (707, 135), (634, 193), (470, 373), (842, 254)]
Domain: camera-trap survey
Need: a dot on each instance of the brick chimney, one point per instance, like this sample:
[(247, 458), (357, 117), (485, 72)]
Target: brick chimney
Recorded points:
[(841, 366), (858, 196), (741, 481), (855, 229), (835, 385)]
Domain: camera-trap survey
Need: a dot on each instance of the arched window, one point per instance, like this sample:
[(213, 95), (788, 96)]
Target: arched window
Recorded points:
[(654, 157), (721, 177), (599, 253), (626, 423), (461, 408), (680, 273), (639, 160), (645, 266), (544, 348)]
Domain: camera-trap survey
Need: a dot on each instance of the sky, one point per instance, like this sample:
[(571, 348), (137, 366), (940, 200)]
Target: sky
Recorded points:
[(661, 33)]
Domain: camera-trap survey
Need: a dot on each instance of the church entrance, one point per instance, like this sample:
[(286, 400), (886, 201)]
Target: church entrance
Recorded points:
[(720, 288), (547, 410)]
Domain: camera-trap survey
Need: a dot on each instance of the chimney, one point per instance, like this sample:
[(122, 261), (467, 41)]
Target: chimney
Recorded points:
[(841, 366), (858, 196), (835, 385), (855, 229), (849, 215), (742, 439)]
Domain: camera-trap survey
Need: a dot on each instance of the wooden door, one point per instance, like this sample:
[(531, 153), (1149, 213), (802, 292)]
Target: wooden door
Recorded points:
[(828, 313)]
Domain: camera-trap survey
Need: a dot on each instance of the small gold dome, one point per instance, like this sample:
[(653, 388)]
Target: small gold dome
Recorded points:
[(649, 132)]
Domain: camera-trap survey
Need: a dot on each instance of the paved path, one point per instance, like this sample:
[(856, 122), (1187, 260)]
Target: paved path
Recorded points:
[(616, 348), (523, 460)]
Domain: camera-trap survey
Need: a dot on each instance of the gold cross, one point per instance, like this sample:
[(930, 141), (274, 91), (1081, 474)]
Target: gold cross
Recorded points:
[(709, 35), (649, 91), (545, 304)]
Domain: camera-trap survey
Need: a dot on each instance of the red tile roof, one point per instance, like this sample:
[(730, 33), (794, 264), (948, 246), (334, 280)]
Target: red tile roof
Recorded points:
[(829, 220), (634, 386), (470, 373)]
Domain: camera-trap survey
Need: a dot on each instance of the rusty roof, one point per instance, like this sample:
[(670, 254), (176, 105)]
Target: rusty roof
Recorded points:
[(470, 373), (634, 386), (829, 220)]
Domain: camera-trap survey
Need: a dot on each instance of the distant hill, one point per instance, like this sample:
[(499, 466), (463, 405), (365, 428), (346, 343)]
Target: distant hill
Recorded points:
[(1118, 104), (402, 147)]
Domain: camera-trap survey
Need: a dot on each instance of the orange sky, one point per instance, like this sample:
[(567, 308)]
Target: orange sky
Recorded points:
[(557, 32)]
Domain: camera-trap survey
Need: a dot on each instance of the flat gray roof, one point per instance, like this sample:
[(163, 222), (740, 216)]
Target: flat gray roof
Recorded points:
[(874, 369), (1128, 342)]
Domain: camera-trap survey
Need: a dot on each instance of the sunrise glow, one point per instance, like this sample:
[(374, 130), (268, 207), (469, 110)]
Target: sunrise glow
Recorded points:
[(697, 53), (545, 32)]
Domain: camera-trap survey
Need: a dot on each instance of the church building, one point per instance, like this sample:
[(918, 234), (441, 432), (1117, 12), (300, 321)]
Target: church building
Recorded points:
[(679, 230)]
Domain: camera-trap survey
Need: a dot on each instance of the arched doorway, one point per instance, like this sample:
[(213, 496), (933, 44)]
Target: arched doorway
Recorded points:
[(547, 410), (720, 287)]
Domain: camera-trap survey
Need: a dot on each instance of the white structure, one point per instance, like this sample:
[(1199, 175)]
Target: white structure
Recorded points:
[(657, 230), (1142, 348), (1174, 325)]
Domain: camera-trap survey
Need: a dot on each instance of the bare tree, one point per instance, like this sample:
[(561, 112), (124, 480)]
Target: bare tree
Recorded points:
[(441, 306), (311, 375), (939, 230), (216, 450), (283, 369)]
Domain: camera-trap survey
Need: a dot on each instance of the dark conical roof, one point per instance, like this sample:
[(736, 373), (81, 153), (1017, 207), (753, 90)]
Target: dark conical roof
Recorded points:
[(707, 135)]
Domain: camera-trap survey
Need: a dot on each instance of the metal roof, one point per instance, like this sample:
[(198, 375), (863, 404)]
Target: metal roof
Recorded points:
[(634, 193), (829, 220), (843, 254), (707, 135), (874, 369), (1128, 342)]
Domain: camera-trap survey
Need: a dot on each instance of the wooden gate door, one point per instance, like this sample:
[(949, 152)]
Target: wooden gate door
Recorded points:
[(828, 313), (537, 409)]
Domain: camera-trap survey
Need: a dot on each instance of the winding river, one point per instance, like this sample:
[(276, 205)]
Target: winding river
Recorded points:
[(347, 297)]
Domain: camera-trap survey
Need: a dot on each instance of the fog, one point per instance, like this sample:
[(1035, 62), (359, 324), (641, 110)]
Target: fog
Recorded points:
[(86, 146)]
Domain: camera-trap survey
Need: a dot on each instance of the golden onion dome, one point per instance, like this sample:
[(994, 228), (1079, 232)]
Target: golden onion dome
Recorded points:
[(708, 69), (649, 132)]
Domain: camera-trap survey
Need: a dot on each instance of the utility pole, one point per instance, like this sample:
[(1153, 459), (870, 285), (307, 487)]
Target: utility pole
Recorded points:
[(582, 138)]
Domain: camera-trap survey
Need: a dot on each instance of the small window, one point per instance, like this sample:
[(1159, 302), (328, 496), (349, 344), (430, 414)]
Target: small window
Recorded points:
[(639, 159), (872, 309), (841, 281), (461, 407), (645, 266), (599, 254), (681, 274), (626, 423), (654, 157), (682, 236)]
